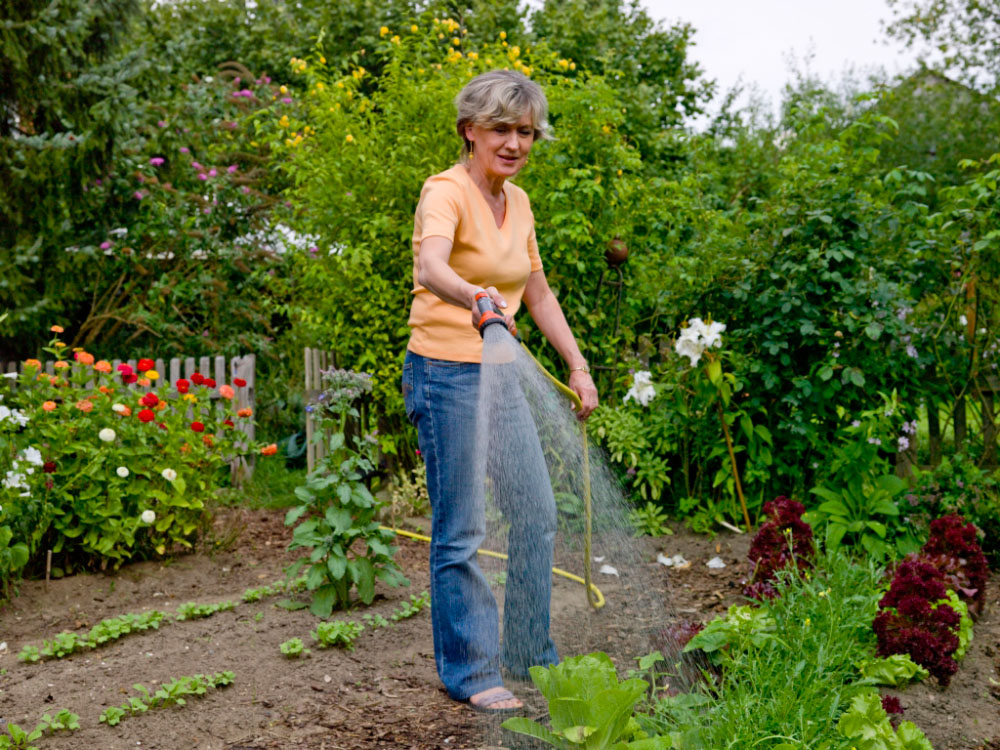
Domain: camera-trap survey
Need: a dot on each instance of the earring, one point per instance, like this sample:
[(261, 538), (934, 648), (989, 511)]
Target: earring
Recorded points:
[(472, 148)]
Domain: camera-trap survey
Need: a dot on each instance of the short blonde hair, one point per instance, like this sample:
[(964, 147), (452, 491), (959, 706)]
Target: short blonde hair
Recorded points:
[(501, 96)]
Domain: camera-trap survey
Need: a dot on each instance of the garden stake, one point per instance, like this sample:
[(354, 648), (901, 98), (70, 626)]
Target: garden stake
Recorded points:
[(736, 471)]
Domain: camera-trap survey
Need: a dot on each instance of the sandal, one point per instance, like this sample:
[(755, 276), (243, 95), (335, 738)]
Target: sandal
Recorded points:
[(483, 706)]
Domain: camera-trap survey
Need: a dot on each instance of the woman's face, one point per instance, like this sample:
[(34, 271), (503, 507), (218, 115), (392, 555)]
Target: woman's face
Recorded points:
[(501, 149)]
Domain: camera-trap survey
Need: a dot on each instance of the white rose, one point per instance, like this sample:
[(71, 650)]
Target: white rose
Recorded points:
[(148, 516), (118, 408), (107, 435), (169, 474), (121, 471)]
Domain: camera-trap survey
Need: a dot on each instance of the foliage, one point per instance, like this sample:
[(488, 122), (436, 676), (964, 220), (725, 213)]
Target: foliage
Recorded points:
[(868, 727), (20, 739), (588, 706), (783, 540), (278, 587), (915, 617), (339, 510), (742, 628), (195, 611), (789, 670), (340, 633), (649, 520), (294, 648), (106, 631), (407, 494), (895, 670), (414, 606), (169, 693), (954, 549)]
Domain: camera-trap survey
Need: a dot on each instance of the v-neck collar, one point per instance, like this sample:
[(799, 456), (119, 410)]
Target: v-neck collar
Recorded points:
[(489, 209)]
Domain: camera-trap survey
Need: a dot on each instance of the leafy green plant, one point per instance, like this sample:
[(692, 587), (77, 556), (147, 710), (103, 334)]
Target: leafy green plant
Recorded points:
[(19, 739), (588, 707), (169, 693), (294, 648), (111, 629), (278, 587), (414, 606), (348, 547), (650, 520), (896, 670), (407, 494), (743, 628), (63, 721), (867, 725), (340, 633), (375, 621), (194, 611)]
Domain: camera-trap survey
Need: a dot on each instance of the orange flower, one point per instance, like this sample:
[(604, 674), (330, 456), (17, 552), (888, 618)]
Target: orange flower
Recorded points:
[(245, 412), (269, 450), (57, 329), (185, 448), (84, 358), (104, 389), (49, 406), (102, 366), (161, 406), (144, 382), (33, 363), (207, 440), (61, 364), (84, 405), (43, 376), (127, 411), (226, 391)]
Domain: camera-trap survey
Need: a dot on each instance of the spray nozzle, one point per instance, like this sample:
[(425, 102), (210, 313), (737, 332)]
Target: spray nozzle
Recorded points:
[(489, 313)]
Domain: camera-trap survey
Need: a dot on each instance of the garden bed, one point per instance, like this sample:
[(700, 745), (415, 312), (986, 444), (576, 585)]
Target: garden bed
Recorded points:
[(384, 694)]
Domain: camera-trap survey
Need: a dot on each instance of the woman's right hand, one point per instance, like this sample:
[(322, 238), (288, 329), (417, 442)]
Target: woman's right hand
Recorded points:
[(500, 303)]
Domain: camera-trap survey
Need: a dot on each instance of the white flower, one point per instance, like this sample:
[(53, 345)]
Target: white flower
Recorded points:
[(963, 320), (11, 375), (16, 416), (642, 389), (148, 516), (904, 442), (169, 474), (118, 408), (107, 435), (121, 471), (15, 480), (32, 456), (698, 337), (911, 351)]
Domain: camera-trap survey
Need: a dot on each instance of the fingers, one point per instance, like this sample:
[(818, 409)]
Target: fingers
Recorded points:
[(497, 298), (583, 385)]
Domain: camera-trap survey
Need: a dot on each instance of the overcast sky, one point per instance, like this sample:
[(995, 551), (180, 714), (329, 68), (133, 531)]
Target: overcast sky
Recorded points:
[(754, 38)]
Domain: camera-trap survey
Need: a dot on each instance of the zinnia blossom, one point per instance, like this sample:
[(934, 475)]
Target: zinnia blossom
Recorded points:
[(144, 382), (121, 471), (226, 391), (124, 368), (129, 378), (197, 427), (269, 450), (152, 375), (33, 363), (84, 358), (49, 406), (148, 516), (183, 386), (149, 399), (197, 378), (239, 382), (209, 383), (84, 405), (207, 440), (107, 435), (245, 412), (61, 364), (146, 415), (57, 329), (145, 364), (169, 474), (102, 366)]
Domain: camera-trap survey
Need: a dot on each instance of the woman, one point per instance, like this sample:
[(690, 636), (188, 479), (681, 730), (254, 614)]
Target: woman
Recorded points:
[(474, 231)]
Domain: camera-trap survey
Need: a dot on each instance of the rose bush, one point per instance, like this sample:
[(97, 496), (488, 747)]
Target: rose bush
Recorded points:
[(101, 465)]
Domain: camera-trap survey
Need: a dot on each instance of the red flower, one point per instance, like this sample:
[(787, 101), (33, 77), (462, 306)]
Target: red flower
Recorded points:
[(239, 382), (269, 450), (197, 378), (183, 386), (146, 415), (163, 426), (207, 440), (129, 377), (197, 427), (127, 369), (49, 467), (209, 383), (145, 364), (228, 423), (149, 399)]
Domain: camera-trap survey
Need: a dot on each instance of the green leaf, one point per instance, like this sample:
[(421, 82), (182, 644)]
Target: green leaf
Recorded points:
[(523, 725), (714, 371), (323, 600), (180, 486)]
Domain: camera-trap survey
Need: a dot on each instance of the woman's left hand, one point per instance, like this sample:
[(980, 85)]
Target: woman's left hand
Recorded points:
[(583, 386)]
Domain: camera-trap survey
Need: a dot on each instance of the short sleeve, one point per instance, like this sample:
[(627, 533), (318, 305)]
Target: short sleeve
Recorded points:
[(533, 255), (438, 210)]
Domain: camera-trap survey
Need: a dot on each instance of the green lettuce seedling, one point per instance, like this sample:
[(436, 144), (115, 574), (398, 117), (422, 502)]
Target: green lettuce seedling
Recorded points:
[(896, 670), (867, 724), (337, 633), (588, 707)]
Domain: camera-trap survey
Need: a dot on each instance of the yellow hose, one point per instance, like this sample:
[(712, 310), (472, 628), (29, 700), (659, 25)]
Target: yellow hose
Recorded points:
[(594, 595)]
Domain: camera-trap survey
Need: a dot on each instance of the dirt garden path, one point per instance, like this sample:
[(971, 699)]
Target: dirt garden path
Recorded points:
[(384, 694)]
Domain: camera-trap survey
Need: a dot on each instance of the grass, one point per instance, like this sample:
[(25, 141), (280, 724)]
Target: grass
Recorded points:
[(794, 688), (271, 486)]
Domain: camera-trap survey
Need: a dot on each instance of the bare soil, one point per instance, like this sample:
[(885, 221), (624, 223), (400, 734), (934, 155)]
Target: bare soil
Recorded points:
[(385, 693)]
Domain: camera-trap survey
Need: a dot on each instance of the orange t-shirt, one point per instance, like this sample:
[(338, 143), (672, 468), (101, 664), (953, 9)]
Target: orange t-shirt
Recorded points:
[(452, 206)]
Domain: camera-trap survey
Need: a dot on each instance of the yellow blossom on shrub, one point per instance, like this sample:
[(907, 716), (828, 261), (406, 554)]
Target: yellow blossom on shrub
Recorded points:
[(503, 34), (414, 29), (322, 60), (456, 41), (283, 89), (383, 31), (349, 138), (283, 122), (395, 39)]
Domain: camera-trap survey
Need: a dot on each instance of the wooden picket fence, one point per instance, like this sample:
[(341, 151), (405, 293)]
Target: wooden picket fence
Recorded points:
[(315, 361), (218, 368)]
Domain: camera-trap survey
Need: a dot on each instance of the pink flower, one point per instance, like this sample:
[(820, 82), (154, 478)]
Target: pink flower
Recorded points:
[(139, 195), (232, 169), (105, 245), (203, 177), (206, 210), (213, 172), (245, 190), (226, 391), (162, 123), (185, 150), (196, 165), (286, 100), (157, 161)]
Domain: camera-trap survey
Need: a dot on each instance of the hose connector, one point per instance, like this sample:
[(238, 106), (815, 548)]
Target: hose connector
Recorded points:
[(488, 312)]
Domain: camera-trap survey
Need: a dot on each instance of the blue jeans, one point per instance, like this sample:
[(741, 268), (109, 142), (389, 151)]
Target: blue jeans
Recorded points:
[(441, 401)]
